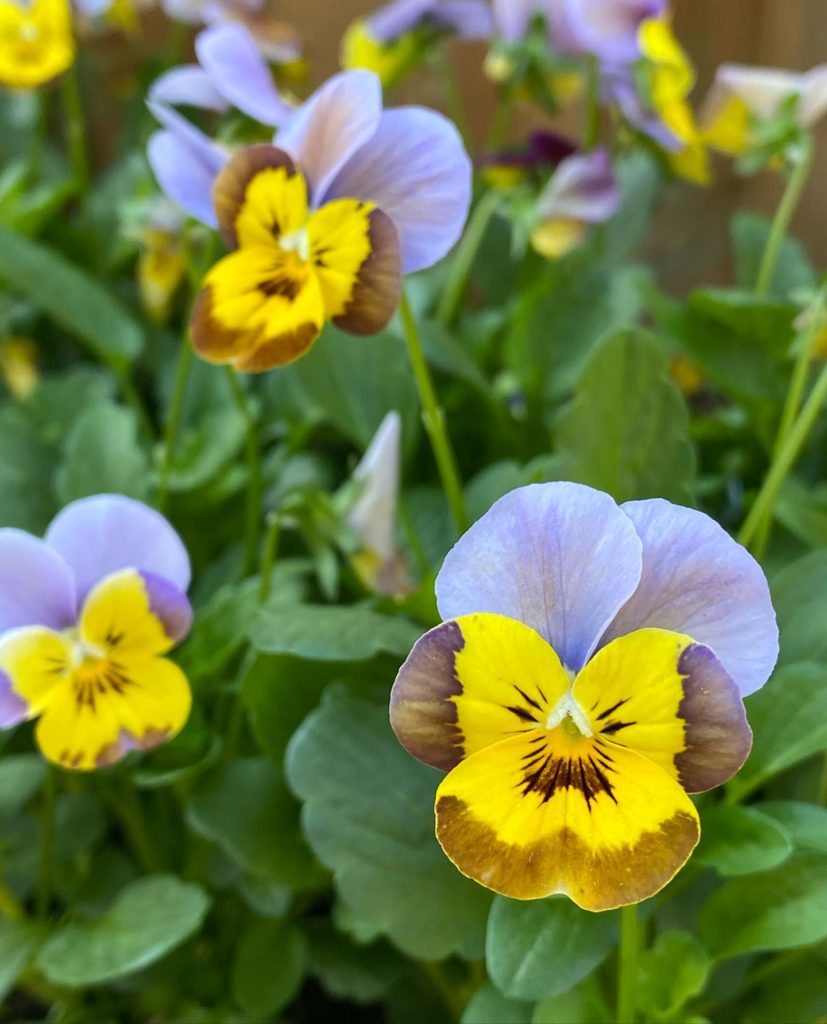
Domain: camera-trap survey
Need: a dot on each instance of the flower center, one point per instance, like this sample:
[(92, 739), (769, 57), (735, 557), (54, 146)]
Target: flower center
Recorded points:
[(82, 654), (298, 243), (568, 713)]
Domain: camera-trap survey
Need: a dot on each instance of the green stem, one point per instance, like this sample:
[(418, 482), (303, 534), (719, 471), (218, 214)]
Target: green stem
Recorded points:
[(75, 127), (173, 423), (764, 504), (133, 399), (502, 118), (453, 97), (591, 113), (10, 906), (434, 420), (47, 844), (783, 215), (268, 558), (254, 482), (466, 253), (37, 143), (628, 965), (127, 808)]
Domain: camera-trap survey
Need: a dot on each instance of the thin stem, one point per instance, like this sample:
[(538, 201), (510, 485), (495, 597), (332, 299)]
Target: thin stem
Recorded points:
[(47, 844), (783, 216), (268, 558), (591, 113), (75, 127), (127, 808), (254, 482), (434, 420), (464, 259), (133, 399), (764, 505), (173, 424), (502, 117), (453, 97), (628, 965)]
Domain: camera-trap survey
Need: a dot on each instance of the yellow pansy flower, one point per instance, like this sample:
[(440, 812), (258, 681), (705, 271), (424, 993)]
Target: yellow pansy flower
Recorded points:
[(36, 42)]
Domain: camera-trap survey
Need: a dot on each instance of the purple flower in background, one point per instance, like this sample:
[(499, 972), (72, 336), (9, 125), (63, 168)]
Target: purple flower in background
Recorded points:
[(468, 19)]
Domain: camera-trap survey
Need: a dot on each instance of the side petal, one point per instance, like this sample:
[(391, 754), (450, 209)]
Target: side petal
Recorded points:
[(276, 204), (37, 587), (259, 308), (559, 557), (354, 249), (92, 726), (670, 699), (34, 663), (230, 56), (189, 85), (761, 89), (332, 125), (697, 580), (135, 613), (399, 17), (535, 815), (107, 532), (472, 682), (414, 168)]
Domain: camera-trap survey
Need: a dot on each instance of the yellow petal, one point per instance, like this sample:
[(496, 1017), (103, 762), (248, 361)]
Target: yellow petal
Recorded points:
[(673, 76), (36, 43), (390, 61), (547, 812), (34, 661), (109, 709), (554, 238), (728, 127)]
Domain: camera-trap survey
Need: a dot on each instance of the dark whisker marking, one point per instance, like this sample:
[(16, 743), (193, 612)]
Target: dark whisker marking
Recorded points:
[(527, 699), (614, 727), (522, 713), (612, 709)]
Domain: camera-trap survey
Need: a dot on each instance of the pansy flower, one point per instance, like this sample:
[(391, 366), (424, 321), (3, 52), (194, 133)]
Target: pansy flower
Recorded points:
[(324, 223), (87, 616), (589, 677), (36, 43)]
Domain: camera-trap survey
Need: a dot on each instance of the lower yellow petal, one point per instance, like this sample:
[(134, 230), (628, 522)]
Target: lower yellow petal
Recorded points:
[(554, 238), (33, 662), (108, 709), (549, 812), (728, 127)]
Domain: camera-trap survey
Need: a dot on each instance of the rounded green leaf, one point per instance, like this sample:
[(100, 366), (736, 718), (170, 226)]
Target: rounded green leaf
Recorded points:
[(740, 840), (269, 967), (673, 970)]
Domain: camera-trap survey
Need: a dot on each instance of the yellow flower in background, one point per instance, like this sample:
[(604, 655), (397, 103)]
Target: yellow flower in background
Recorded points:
[(36, 42), (389, 60), (162, 263), (18, 365)]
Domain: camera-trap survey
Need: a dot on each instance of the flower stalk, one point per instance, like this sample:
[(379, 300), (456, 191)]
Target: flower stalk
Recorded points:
[(783, 215), (628, 965)]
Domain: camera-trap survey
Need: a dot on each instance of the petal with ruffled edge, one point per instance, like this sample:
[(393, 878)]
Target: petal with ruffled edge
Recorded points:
[(546, 812), (110, 710), (666, 697), (416, 170), (697, 580), (107, 532), (190, 85), (232, 59), (331, 126), (471, 682), (34, 663), (37, 587), (560, 557)]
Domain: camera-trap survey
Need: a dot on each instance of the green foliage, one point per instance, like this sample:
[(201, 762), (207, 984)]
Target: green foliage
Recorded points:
[(672, 971)]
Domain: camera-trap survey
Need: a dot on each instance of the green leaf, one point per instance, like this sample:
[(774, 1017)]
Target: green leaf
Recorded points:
[(793, 269), (276, 706), (103, 455), (360, 974), (18, 942), (741, 840), (640, 183), (799, 593), (525, 939), (27, 466), (329, 633), (582, 1005), (70, 297), (369, 817), (148, 919), (269, 967), (779, 909), (806, 823), (782, 740), (246, 809), (673, 970), (21, 776), (626, 430), (489, 1004)]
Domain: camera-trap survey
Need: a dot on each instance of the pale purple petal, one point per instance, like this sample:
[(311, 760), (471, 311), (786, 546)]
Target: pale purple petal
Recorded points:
[(468, 19), (13, 709), (398, 17), (190, 85), (512, 17), (326, 130), (560, 557), (37, 587), (697, 580), (373, 516), (107, 532), (583, 188), (618, 86), (169, 604), (230, 56), (608, 28), (416, 170)]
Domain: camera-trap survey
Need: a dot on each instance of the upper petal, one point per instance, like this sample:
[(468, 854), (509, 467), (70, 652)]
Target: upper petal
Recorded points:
[(332, 125), (583, 188), (814, 96), (107, 532), (188, 84), (560, 557), (415, 168), (468, 19), (37, 587), (608, 28), (398, 17), (230, 56), (697, 580)]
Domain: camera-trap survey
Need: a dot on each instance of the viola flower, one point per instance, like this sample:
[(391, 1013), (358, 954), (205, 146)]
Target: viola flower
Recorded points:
[(741, 94), (325, 223), (391, 41), (36, 43), (588, 677), (543, 152), (86, 617), (582, 191), (379, 563), (162, 263)]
